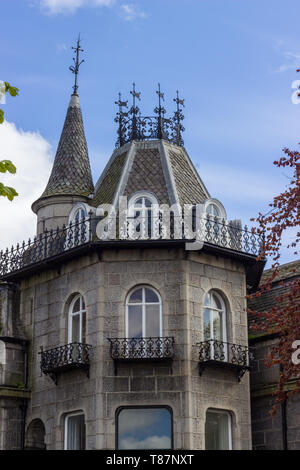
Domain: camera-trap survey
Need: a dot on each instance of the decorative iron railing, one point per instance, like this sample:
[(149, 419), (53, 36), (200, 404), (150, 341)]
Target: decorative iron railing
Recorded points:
[(46, 245), (214, 231), (152, 348), (70, 356), (232, 355)]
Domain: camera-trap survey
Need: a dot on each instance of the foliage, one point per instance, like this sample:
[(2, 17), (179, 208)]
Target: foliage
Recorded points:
[(7, 165), (283, 317)]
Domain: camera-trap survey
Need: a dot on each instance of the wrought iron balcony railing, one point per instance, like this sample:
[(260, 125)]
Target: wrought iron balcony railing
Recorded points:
[(212, 231), (46, 245), (221, 353), (63, 358), (142, 349)]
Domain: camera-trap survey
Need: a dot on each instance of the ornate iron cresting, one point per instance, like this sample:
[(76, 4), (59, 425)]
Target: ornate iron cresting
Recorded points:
[(63, 358), (233, 356), (141, 349), (46, 245), (133, 126)]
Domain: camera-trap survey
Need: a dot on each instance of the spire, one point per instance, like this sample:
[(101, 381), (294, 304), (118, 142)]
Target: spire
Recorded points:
[(71, 172)]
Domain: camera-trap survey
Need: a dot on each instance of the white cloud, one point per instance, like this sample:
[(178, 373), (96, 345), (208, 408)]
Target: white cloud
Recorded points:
[(31, 154), (292, 62), (151, 442), (55, 7), (131, 12)]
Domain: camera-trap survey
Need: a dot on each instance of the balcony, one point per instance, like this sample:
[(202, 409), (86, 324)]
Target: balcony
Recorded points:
[(71, 356), (154, 349), (219, 354), (54, 245)]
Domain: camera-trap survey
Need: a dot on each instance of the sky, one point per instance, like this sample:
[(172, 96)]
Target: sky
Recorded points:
[(233, 61)]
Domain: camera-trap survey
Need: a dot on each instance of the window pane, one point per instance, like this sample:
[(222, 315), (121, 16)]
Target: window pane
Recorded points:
[(76, 306), (136, 296), (151, 296), (139, 202), (206, 324), (152, 320), (217, 325), (75, 433), (135, 328), (75, 329), (148, 203), (217, 431), (144, 428), (215, 302)]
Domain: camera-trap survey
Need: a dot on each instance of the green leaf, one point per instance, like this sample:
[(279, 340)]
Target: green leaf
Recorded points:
[(7, 165), (8, 192), (1, 116), (13, 91)]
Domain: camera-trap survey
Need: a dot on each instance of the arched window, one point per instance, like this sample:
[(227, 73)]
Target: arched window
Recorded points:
[(78, 227), (214, 317), (214, 208), (77, 320), (143, 313), (215, 335), (143, 216)]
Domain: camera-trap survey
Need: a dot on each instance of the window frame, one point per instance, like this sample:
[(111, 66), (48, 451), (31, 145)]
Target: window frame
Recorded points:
[(66, 418), (211, 309), (214, 202), (229, 424), (134, 407), (144, 304), (154, 208), (72, 314)]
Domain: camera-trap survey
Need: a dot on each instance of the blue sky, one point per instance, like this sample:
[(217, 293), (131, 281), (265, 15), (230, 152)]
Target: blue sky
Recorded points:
[(233, 61)]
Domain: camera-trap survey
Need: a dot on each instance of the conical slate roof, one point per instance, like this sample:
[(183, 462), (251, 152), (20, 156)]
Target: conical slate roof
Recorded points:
[(159, 167), (71, 172)]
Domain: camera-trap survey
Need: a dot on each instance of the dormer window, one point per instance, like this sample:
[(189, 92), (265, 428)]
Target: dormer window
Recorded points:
[(143, 215), (214, 208), (78, 229)]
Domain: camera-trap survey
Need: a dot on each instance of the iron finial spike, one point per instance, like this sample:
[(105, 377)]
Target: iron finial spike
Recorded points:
[(75, 68)]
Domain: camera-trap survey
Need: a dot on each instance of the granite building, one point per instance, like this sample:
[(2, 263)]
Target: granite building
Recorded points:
[(282, 431), (127, 342)]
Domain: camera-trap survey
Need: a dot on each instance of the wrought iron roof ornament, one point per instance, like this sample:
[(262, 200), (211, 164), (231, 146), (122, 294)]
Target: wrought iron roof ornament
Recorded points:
[(133, 126), (134, 111), (75, 68), (160, 111), (178, 118), (120, 119)]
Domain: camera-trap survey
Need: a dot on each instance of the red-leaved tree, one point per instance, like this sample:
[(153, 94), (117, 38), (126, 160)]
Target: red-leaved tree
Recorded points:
[(283, 318)]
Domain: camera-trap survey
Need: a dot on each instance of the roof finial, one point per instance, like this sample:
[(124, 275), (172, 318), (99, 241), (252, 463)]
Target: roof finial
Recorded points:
[(75, 68), (134, 111), (160, 111)]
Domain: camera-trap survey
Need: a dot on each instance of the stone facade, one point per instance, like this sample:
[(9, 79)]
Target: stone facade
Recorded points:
[(182, 281)]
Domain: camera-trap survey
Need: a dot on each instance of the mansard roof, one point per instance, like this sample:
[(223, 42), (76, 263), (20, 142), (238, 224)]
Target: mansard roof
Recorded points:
[(159, 167), (71, 172)]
